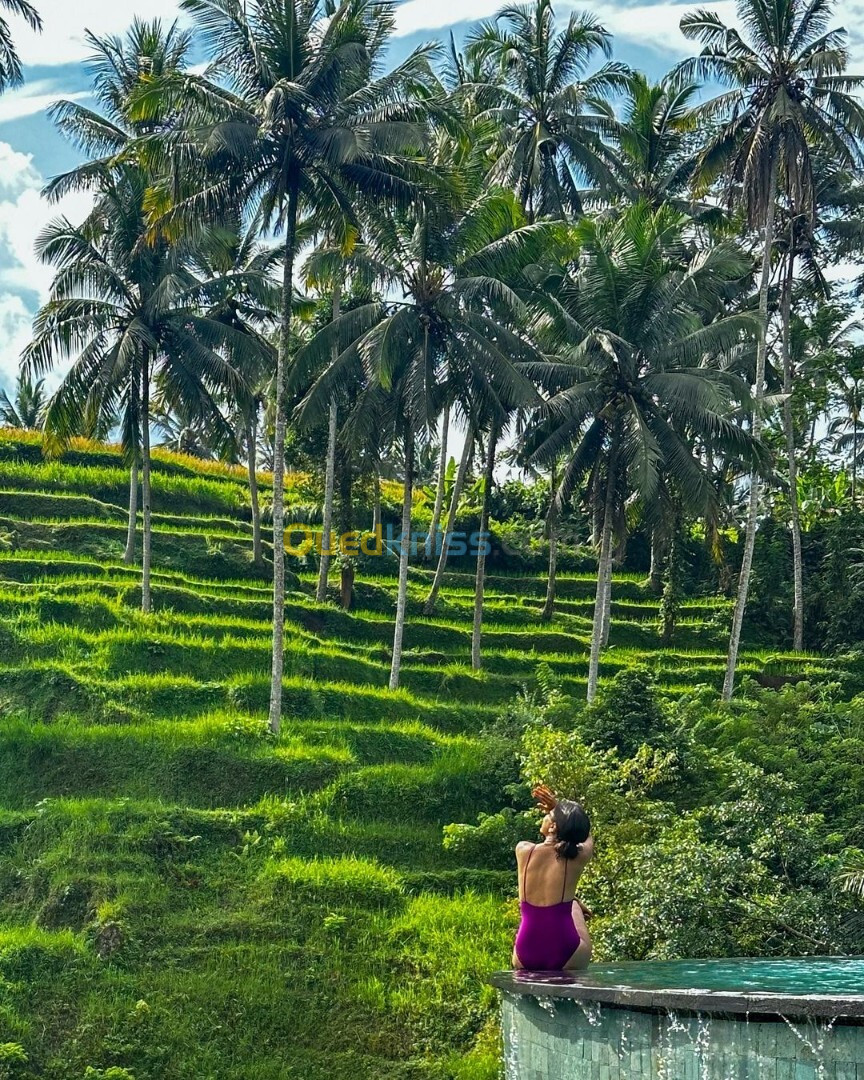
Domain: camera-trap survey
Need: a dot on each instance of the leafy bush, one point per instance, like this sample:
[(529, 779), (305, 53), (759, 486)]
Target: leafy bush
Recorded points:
[(726, 872), (627, 714), (491, 841), (13, 1058)]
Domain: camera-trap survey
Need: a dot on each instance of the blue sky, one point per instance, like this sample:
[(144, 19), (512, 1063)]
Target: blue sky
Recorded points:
[(646, 36)]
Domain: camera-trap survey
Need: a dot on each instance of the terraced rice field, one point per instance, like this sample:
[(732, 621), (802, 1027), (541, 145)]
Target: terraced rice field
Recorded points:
[(184, 896)]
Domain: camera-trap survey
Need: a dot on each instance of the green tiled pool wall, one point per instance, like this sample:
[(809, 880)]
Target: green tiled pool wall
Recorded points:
[(566, 1040)]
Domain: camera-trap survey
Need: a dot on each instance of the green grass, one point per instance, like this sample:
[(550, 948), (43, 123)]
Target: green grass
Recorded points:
[(185, 896), (110, 484)]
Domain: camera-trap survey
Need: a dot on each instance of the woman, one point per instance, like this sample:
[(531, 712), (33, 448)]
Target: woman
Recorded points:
[(553, 935)]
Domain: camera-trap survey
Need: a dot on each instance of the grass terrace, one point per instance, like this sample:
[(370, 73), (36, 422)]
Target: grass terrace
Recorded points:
[(184, 895)]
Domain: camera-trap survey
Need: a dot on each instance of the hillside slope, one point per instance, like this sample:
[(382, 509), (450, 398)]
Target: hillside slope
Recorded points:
[(184, 896)]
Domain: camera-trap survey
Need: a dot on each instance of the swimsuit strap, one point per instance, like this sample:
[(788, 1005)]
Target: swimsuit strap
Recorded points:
[(525, 873)]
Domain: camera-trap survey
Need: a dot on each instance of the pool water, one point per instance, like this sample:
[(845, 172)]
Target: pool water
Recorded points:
[(759, 1019), (819, 975)]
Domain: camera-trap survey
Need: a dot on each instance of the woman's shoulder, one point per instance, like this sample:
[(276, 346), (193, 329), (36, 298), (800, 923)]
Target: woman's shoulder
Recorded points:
[(524, 846)]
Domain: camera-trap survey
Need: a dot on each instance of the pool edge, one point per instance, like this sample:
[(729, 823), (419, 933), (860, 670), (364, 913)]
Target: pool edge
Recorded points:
[(577, 986)]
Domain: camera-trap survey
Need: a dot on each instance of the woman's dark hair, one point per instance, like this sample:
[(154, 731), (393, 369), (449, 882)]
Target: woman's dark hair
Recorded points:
[(572, 828)]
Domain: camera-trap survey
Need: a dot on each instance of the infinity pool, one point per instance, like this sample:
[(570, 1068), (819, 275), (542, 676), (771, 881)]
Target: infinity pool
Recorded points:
[(737, 1019), (821, 975)]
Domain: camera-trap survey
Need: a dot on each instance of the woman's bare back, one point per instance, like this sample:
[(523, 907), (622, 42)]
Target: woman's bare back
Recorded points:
[(544, 879)]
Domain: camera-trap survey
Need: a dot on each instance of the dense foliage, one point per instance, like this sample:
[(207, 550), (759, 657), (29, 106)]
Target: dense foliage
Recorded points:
[(251, 826), (187, 893), (721, 831), (299, 253)]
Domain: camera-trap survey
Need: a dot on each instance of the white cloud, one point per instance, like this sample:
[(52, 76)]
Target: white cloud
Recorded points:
[(651, 25), (417, 15), (15, 332), (21, 221), (23, 215), (32, 98), (843, 272), (654, 25), (62, 40), (657, 25), (16, 169)]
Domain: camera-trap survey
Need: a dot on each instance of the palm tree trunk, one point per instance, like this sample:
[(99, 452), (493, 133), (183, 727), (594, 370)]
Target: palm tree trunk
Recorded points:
[(756, 429), (607, 604), (346, 527), (329, 475), (376, 502), (129, 553), (404, 553), (670, 605), (596, 517), (480, 580), (603, 570), (252, 462), (552, 535), (455, 496), (146, 602), (432, 541), (789, 429), (275, 718), (655, 574), (329, 489), (855, 447)]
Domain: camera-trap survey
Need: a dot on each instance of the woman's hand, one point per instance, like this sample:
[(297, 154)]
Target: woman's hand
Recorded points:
[(546, 798), (586, 911)]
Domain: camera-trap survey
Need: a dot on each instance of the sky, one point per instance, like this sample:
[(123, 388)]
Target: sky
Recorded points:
[(31, 151)]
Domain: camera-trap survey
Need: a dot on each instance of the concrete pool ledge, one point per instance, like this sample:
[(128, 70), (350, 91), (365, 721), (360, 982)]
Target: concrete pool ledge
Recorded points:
[(737, 1019), (605, 990)]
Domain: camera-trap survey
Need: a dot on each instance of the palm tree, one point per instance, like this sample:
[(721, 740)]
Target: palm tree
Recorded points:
[(549, 114), (27, 412), (275, 135), (450, 335), (440, 481), (786, 286), (847, 434), (633, 317), (180, 435), (333, 269), (480, 576), (553, 515), (329, 473), (789, 95), (450, 526), (340, 258), (654, 145), (117, 67), (125, 312), (10, 63), (847, 430), (823, 352), (343, 280), (529, 83), (238, 291)]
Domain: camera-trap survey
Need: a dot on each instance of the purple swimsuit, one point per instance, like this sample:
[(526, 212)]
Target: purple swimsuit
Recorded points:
[(547, 937)]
